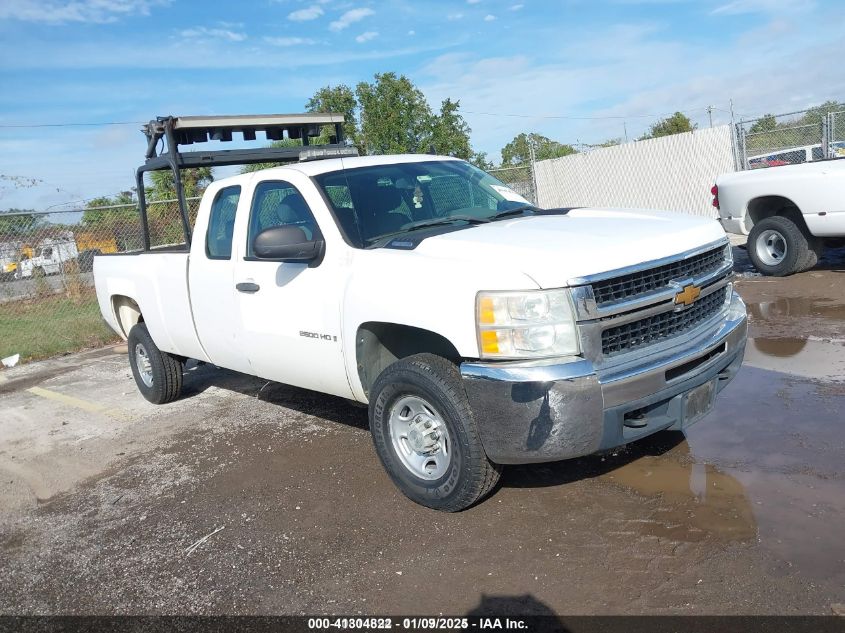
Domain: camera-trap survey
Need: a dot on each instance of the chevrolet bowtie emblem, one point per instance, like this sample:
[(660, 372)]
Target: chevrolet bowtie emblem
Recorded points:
[(688, 295)]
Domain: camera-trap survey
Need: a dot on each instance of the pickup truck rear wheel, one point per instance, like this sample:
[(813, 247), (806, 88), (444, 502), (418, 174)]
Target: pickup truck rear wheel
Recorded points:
[(425, 434), (777, 246), (157, 374)]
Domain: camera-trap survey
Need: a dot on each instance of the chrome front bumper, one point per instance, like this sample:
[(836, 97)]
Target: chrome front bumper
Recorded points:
[(542, 411)]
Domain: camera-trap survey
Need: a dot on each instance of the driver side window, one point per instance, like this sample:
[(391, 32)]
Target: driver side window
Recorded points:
[(279, 203)]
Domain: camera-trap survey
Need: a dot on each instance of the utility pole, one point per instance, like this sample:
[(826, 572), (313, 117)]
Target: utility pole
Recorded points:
[(710, 114), (625, 128)]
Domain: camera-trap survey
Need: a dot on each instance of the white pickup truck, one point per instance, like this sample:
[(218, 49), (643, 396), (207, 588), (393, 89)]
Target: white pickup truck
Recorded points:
[(480, 329), (790, 213)]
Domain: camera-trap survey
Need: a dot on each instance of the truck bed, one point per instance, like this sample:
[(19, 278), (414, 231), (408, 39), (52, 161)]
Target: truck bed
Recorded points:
[(158, 282)]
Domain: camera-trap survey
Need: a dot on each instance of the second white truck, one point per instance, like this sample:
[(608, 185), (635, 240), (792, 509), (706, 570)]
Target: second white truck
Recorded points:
[(479, 329), (790, 213)]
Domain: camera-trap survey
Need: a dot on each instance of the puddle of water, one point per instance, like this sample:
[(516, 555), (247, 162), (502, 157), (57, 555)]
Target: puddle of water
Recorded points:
[(767, 464), (699, 500), (780, 307), (803, 355), (783, 440)]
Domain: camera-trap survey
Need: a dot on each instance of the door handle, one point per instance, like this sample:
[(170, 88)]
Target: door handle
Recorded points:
[(247, 286)]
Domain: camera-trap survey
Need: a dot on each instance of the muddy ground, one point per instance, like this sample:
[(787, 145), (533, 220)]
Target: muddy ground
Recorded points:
[(102, 496)]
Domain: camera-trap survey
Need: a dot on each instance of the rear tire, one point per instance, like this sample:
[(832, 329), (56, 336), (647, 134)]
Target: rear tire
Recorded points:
[(157, 374), (777, 246), (815, 250), (445, 467)]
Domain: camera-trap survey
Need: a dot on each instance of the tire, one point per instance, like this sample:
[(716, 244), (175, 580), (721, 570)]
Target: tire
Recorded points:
[(160, 381), (815, 250), (423, 389), (777, 246)]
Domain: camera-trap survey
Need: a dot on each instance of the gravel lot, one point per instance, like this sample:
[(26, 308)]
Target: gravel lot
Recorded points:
[(102, 496)]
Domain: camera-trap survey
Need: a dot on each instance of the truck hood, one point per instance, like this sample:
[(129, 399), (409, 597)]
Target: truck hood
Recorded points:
[(554, 249)]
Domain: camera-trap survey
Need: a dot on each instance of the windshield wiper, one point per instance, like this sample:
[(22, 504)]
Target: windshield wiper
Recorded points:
[(520, 210), (423, 224), (420, 224)]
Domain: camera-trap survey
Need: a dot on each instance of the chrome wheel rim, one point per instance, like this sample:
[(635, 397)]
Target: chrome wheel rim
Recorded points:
[(420, 438), (142, 362), (771, 247)]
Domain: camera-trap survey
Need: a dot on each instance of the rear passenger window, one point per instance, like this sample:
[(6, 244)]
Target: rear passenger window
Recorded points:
[(278, 203), (221, 223)]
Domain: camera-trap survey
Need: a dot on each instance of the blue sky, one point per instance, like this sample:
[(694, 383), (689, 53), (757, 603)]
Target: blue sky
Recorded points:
[(574, 70)]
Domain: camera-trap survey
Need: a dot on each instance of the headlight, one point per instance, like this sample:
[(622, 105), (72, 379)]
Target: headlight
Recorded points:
[(530, 324)]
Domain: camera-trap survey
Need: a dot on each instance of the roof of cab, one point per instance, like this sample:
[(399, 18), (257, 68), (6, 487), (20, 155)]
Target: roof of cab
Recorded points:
[(316, 167)]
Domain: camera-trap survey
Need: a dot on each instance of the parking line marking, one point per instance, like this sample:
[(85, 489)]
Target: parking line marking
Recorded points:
[(79, 403)]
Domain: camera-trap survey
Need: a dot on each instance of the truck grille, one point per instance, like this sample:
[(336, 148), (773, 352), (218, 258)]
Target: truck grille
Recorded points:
[(654, 279), (631, 336)]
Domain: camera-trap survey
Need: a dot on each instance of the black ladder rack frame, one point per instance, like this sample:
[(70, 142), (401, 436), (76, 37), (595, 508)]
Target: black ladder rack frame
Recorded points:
[(176, 131)]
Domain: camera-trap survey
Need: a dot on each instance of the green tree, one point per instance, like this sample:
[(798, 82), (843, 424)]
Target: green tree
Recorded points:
[(678, 123), (480, 160), (814, 116), (23, 222), (335, 99), (611, 142), (94, 217), (450, 133), (765, 123), (395, 117), (518, 151), (285, 142), (194, 182)]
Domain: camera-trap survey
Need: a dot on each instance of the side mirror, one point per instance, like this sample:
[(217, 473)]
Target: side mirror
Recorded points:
[(286, 244)]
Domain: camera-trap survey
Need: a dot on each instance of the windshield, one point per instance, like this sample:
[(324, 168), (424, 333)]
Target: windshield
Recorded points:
[(374, 203)]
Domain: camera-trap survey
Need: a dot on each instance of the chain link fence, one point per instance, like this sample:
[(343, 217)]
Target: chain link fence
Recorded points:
[(48, 305), (520, 179), (789, 139), (836, 134)]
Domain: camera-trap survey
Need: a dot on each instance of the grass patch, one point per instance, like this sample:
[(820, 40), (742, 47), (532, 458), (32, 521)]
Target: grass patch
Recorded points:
[(49, 326)]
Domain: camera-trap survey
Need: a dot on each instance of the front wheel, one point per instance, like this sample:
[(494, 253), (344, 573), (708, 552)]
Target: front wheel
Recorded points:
[(157, 374), (425, 434)]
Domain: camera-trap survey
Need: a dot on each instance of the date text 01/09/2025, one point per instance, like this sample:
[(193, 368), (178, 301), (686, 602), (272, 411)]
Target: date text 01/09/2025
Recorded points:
[(417, 623)]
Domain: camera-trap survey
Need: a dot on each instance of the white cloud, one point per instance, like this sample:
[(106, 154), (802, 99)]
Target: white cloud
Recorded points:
[(489, 18), (202, 32), (94, 11), (516, 7), (366, 36), (647, 73), (739, 7), (350, 17), (454, 16), (308, 13), (289, 41), (412, 32)]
